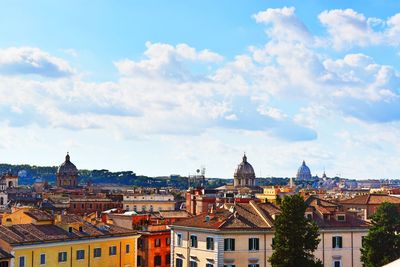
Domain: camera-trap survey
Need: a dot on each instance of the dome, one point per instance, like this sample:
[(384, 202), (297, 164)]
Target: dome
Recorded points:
[(303, 173), (245, 169), (67, 167)]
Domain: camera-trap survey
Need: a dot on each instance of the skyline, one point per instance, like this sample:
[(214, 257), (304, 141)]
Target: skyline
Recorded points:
[(165, 88)]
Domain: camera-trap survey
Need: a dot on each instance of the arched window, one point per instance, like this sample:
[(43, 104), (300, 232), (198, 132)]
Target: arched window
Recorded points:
[(10, 184), (1, 201)]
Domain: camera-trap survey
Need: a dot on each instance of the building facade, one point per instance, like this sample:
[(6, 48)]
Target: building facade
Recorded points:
[(148, 203), (66, 240), (242, 235)]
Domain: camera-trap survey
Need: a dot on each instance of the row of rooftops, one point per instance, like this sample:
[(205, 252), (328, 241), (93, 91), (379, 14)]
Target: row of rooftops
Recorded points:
[(261, 216), (45, 227)]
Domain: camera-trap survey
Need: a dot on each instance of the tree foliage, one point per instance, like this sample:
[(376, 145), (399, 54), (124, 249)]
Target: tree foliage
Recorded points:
[(296, 238), (382, 244)]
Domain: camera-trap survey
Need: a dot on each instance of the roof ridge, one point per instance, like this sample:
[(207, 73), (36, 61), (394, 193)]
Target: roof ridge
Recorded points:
[(260, 213)]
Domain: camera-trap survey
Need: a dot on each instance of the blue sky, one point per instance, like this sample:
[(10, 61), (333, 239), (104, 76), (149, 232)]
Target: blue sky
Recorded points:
[(162, 87)]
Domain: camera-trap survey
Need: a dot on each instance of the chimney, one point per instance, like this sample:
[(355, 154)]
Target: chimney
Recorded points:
[(8, 222), (57, 219)]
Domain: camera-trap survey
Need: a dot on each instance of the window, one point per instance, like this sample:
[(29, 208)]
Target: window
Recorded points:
[(157, 260), (210, 243), (193, 264), (168, 241), (254, 244), (157, 242), (179, 240), (337, 242), (193, 241), (179, 263), (97, 253), (139, 261), (127, 248), (253, 265), (134, 208), (309, 216), (112, 250), (337, 263), (22, 261), (42, 259), (209, 265), (341, 218), (229, 265), (80, 254), (140, 243), (143, 208), (168, 259), (229, 244), (62, 256), (151, 208)]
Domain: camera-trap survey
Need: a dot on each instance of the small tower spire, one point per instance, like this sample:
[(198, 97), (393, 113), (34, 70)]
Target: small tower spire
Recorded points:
[(67, 158), (244, 157)]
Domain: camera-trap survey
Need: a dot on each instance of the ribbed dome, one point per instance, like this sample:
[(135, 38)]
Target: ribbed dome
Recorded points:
[(244, 169), (303, 173), (67, 167)]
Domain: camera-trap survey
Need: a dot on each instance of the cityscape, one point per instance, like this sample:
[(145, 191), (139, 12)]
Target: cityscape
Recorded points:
[(200, 133)]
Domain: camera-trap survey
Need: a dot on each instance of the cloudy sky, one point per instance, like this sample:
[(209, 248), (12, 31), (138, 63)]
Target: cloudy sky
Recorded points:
[(164, 87)]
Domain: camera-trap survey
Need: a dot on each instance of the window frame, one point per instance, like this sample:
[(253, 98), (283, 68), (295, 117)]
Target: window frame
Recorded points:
[(127, 248), (193, 241), (179, 239), (61, 259), (337, 242), (229, 244), (155, 261), (254, 244), (157, 242), (40, 258), (211, 247), (23, 259), (78, 258), (94, 253), (112, 249)]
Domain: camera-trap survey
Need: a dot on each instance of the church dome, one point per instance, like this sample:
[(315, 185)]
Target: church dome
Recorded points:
[(303, 173), (67, 167), (245, 169)]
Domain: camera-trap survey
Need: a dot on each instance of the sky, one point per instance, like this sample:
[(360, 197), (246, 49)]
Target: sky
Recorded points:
[(166, 87)]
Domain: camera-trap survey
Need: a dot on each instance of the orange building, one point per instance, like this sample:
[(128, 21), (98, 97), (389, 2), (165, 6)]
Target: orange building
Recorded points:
[(154, 247)]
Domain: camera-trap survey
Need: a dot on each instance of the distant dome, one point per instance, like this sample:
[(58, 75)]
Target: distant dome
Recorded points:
[(244, 168), (303, 173), (244, 174), (67, 167)]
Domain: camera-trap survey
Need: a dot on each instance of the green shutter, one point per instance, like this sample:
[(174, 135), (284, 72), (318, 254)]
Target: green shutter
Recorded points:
[(340, 241), (333, 242)]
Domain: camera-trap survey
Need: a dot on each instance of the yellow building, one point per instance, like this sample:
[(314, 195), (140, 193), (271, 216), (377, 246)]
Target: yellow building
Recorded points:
[(272, 193), (68, 241)]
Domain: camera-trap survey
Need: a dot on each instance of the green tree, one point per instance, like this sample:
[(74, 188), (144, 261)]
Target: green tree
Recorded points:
[(382, 244), (296, 238)]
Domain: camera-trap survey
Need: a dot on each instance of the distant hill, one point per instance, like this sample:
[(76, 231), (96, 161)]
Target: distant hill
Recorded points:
[(28, 174)]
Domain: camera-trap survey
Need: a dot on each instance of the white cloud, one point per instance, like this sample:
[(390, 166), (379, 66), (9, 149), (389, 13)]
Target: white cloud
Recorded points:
[(29, 60), (285, 24)]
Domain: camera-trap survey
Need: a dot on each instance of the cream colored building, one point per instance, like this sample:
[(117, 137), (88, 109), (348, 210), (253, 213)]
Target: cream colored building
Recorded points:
[(241, 235), (148, 203)]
